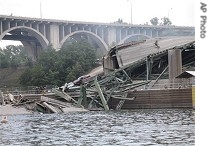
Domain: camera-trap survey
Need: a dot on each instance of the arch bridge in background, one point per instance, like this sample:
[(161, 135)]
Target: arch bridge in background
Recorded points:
[(38, 32)]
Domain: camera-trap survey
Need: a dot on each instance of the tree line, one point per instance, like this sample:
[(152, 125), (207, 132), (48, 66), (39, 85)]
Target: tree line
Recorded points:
[(52, 67), (14, 56), (153, 21)]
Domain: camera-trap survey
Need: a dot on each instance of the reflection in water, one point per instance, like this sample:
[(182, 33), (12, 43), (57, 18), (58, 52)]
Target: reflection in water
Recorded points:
[(130, 128)]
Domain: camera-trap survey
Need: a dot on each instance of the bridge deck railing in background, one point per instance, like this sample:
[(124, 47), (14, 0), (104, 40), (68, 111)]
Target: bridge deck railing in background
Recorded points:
[(166, 86), (48, 89), (26, 90), (172, 86)]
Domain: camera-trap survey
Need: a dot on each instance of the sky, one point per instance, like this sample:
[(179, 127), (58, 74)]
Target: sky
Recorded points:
[(180, 12)]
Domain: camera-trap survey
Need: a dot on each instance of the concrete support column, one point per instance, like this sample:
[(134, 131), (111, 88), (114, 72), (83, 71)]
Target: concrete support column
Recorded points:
[(151, 33), (66, 30), (5, 25), (1, 30), (47, 28), (99, 32), (96, 31), (63, 32), (54, 35), (123, 35), (145, 32), (34, 26), (21, 23), (42, 29), (69, 29), (149, 64), (111, 36), (132, 31), (30, 50), (8, 25), (157, 34), (174, 63), (102, 33), (120, 34), (38, 27)]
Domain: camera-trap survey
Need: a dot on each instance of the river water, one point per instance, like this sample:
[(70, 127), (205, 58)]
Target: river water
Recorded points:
[(173, 127)]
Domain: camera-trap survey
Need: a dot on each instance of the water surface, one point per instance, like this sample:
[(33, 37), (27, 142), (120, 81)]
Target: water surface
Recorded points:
[(98, 128)]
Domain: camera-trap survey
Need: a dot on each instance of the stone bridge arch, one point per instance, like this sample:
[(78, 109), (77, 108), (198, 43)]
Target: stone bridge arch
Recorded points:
[(31, 47), (100, 42), (42, 40), (134, 35)]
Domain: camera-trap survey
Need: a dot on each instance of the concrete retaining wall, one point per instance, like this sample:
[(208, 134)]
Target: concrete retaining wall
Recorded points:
[(164, 98)]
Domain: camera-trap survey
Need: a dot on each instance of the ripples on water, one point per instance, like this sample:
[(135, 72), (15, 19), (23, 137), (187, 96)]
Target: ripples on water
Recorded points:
[(127, 128)]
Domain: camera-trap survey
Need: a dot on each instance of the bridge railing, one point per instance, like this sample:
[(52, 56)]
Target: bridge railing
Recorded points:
[(27, 90), (48, 88), (172, 86), (167, 85)]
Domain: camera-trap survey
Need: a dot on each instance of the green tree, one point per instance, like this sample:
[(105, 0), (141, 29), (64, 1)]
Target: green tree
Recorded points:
[(25, 78), (15, 61), (166, 21), (120, 21), (13, 56), (58, 67), (4, 61), (154, 21)]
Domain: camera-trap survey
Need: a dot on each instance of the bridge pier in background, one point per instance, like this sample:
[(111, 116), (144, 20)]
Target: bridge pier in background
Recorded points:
[(112, 36), (32, 49), (54, 36)]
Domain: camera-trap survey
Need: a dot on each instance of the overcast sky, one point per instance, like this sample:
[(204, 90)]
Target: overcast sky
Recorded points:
[(180, 12)]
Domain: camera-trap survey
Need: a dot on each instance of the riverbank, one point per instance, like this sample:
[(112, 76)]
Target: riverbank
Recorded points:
[(11, 110)]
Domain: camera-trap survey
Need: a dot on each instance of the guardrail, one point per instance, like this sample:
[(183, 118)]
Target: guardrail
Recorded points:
[(48, 89), (166, 86), (27, 90), (172, 86)]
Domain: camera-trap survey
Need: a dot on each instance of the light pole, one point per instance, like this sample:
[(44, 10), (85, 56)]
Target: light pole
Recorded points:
[(131, 9), (40, 8), (169, 11)]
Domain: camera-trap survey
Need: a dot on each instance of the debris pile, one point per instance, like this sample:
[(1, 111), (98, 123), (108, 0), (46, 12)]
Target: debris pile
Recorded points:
[(85, 93), (95, 92)]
